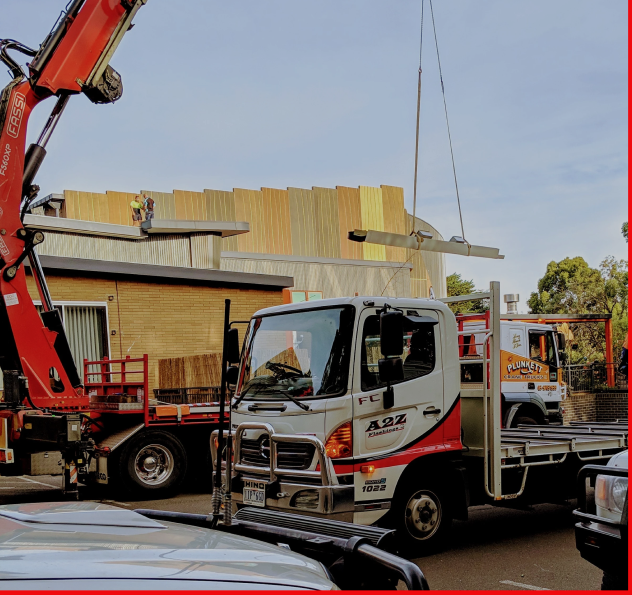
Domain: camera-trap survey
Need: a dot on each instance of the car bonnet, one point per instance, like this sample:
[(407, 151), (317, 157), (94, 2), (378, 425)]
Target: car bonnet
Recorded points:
[(95, 541)]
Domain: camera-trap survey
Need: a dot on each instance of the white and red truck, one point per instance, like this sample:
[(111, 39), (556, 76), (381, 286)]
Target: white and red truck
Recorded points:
[(354, 409)]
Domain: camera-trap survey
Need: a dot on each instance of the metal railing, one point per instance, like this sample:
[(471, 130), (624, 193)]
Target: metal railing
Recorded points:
[(593, 377)]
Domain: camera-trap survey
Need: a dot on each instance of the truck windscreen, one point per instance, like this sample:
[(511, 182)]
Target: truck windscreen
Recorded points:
[(298, 355)]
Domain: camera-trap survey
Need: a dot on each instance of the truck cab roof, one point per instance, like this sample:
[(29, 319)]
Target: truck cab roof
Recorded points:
[(359, 302)]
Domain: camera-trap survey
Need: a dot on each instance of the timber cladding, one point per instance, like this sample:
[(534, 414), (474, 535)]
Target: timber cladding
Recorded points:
[(164, 320)]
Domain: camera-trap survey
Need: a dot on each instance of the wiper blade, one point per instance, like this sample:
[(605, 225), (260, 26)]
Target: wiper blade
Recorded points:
[(303, 406), (295, 400)]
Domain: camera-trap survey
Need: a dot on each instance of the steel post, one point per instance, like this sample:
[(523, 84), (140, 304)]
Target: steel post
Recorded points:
[(495, 374)]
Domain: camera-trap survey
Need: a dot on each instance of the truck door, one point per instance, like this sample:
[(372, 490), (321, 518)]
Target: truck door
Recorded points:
[(543, 349), (389, 435)]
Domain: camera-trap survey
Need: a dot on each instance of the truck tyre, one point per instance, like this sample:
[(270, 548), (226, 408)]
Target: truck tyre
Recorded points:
[(153, 463), (525, 420), (422, 517), (614, 582)]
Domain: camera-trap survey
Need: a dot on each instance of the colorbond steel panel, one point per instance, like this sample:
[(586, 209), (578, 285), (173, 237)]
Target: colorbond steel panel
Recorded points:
[(190, 206), (88, 206), (118, 207), (302, 215), (70, 204), (395, 220), (220, 206), (372, 218), (350, 216), (249, 207), (165, 204), (327, 222), (276, 213)]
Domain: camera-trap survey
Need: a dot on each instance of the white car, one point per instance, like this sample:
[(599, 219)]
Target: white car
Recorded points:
[(602, 537), (88, 546), (611, 492)]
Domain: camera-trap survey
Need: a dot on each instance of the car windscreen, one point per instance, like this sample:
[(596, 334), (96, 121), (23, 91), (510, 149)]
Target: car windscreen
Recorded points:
[(298, 355)]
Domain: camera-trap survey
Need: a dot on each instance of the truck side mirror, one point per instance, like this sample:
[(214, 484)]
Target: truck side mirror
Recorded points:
[(561, 341), (232, 374), (563, 357), (392, 333), (390, 370), (233, 351)]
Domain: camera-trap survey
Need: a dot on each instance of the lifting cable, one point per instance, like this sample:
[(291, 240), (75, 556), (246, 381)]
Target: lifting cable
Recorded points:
[(421, 38), (447, 121)]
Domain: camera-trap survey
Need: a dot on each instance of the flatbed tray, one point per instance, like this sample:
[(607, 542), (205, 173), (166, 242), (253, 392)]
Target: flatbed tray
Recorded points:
[(529, 441)]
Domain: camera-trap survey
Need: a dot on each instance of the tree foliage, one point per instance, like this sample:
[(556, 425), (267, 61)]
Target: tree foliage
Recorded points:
[(624, 230), (572, 287), (458, 286)]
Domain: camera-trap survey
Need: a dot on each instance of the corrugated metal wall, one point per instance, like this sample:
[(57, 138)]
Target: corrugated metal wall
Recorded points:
[(334, 280), (350, 213), (220, 206), (302, 216), (296, 221), (372, 210), (166, 250)]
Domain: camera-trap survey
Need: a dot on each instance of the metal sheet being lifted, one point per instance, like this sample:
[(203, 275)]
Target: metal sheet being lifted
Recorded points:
[(414, 242)]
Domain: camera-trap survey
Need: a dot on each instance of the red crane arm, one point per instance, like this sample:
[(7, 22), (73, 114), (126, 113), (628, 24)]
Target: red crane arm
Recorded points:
[(73, 58)]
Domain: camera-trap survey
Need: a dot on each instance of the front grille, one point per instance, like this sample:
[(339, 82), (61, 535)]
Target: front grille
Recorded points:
[(290, 455)]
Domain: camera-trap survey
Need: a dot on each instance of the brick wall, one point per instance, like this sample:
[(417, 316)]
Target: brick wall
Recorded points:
[(161, 319), (612, 406), (581, 406)]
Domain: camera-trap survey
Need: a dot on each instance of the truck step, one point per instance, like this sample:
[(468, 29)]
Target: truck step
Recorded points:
[(378, 537)]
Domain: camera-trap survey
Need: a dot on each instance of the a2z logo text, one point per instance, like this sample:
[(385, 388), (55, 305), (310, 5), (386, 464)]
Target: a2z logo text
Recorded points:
[(387, 425)]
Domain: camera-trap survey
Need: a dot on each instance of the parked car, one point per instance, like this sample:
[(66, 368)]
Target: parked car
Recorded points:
[(602, 537), (87, 546)]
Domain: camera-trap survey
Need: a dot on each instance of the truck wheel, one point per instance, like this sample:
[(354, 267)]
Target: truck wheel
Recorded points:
[(525, 420), (153, 462), (614, 582), (422, 517)]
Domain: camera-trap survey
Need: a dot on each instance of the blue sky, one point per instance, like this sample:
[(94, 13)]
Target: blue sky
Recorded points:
[(279, 93)]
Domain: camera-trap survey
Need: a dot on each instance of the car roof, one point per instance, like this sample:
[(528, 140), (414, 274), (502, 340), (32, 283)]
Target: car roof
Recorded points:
[(86, 541)]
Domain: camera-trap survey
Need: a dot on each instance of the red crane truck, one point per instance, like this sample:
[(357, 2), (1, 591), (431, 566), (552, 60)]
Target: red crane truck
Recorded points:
[(49, 421)]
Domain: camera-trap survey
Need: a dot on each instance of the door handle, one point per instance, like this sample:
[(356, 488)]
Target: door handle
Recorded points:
[(432, 411)]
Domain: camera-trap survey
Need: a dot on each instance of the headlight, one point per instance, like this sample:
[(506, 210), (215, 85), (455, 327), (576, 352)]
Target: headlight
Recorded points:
[(610, 492), (619, 492)]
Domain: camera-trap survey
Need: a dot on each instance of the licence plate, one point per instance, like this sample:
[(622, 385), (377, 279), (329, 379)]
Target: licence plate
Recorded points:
[(255, 493)]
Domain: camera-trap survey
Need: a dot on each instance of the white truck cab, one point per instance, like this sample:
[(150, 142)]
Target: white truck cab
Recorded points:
[(354, 409), (312, 371), (531, 380)]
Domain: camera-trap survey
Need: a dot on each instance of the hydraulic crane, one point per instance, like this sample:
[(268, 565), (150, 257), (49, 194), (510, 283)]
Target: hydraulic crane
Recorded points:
[(39, 371)]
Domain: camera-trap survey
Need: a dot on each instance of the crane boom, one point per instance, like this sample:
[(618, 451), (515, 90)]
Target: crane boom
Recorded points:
[(74, 58)]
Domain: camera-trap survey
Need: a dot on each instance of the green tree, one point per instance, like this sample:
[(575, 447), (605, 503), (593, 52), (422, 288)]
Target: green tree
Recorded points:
[(624, 230), (458, 286), (572, 287)]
